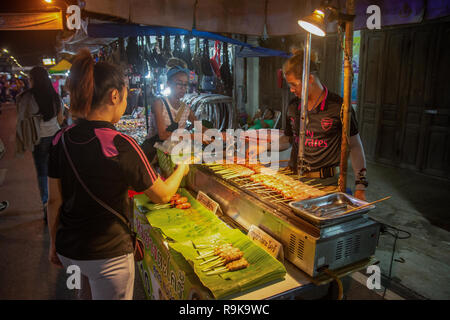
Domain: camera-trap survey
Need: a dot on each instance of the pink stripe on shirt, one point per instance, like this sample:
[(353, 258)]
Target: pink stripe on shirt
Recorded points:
[(142, 156)]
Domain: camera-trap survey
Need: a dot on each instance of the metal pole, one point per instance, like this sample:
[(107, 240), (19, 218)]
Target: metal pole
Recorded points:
[(141, 56), (348, 53), (304, 103), (145, 104)]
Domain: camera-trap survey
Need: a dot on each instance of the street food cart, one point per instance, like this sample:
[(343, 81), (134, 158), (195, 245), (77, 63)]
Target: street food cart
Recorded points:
[(306, 237)]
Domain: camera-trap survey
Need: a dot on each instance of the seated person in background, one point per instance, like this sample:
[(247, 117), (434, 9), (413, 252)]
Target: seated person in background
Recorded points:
[(265, 121)]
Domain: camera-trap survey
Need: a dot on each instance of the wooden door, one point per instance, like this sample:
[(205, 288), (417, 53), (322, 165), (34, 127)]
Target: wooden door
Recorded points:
[(404, 97), (436, 114), (369, 87)]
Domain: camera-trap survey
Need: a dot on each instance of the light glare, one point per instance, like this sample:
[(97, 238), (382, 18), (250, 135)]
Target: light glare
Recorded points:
[(311, 28)]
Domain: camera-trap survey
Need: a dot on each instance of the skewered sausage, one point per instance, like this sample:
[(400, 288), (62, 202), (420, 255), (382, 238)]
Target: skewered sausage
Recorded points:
[(181, 200), (185, 205)]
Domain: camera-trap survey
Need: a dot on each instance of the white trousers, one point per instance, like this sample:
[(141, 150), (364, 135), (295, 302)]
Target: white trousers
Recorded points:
[(108, 279)]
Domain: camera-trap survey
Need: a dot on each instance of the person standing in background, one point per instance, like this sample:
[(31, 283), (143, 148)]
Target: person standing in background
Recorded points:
[(42, 105)]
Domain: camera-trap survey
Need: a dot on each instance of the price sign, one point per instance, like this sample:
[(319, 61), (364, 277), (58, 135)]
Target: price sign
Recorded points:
[(207, 202), (271, 245)]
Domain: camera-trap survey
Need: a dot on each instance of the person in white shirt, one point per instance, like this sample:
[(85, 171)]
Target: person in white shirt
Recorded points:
[(45, 105)]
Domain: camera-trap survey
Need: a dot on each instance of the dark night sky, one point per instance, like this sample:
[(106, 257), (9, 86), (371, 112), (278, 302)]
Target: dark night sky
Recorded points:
[(27, 47)]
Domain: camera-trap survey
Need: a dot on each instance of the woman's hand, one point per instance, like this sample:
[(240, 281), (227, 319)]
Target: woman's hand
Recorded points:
[(360, 194), (53, 257)]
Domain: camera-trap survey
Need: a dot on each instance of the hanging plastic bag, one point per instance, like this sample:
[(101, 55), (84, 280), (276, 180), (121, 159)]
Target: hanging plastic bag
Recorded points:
[(215, 60)]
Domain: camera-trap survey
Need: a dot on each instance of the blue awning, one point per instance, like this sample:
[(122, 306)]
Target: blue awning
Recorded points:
[(112, 30)]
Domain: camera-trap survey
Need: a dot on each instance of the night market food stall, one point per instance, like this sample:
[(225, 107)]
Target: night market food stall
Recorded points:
[(241, 230), (225, 242)]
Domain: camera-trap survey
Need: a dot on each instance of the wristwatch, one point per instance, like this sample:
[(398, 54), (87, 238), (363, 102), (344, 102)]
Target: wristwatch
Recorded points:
[(362, 180)]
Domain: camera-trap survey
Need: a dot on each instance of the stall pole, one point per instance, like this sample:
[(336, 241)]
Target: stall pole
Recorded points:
[(304, 103), (145, 103), (348, 52)]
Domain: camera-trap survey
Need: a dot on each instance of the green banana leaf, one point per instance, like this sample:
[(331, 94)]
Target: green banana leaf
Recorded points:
[(182, 224), (262, 269), (197, 226)]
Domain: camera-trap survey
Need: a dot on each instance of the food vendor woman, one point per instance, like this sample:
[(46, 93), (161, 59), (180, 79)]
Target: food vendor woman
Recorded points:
[(323, 129), (169, 113)]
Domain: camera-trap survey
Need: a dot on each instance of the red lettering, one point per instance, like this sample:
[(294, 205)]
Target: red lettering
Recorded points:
[(306, 141), (316, 143)]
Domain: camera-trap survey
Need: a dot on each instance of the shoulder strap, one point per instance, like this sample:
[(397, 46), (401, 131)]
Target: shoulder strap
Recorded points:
[(168, 110), (104, 205), (180, 112)]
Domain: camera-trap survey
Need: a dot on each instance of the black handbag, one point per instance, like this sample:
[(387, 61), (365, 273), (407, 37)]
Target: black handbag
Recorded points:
[(148, 146), (173, 125), (138, 245)]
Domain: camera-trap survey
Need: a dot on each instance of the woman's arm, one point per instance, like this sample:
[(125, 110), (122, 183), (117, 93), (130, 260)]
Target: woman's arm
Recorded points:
[(60, 116), (160, 123), (192, 118), (162, 191), (54, 203)]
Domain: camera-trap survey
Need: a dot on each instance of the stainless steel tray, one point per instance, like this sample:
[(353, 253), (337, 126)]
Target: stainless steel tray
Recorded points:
[(330, 208)]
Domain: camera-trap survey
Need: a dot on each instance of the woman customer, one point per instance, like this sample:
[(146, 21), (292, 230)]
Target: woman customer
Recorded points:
[(42, 105), (92, 166)]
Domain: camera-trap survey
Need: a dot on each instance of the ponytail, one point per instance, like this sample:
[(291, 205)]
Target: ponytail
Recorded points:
[(90, 82), (81, 83)]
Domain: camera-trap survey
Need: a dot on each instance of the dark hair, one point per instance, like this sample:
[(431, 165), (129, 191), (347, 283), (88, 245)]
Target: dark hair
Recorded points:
[(294, 65), (270, 110), (44, 93), (89, 82)]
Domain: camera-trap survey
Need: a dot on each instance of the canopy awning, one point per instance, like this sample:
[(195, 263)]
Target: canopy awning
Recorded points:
[(254, 17), (61, 67), (111, 30)]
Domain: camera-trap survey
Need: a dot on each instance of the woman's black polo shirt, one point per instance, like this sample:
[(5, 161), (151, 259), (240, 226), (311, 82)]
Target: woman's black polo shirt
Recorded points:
[(323, 132), (109, 163)]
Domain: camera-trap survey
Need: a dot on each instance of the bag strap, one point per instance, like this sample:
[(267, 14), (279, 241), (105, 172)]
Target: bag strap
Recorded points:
[(104, 205), (180, 112), (168, 110)]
